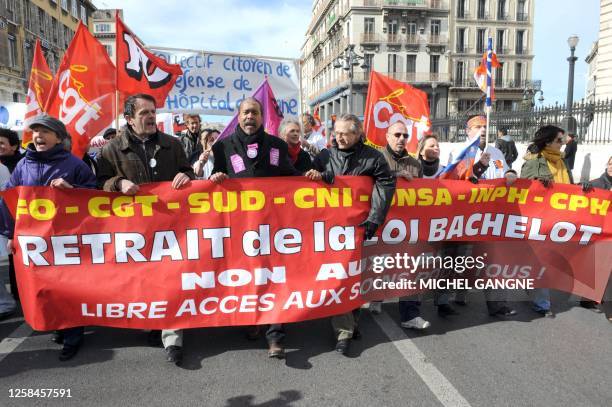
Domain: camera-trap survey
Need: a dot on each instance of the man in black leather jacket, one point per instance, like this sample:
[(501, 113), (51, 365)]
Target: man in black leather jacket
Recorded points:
[(350, 156)]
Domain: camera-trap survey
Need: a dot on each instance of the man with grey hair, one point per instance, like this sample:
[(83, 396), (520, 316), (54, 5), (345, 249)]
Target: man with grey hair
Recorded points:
[(251, 152), (353, 157), (289, 130)]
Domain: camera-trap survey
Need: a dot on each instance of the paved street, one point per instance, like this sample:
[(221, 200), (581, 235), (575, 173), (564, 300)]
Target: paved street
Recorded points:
[(470, 359)]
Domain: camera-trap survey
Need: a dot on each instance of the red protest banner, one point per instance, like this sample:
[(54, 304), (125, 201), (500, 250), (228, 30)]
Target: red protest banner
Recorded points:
[(391, 101), (39, 88), (139, 70), (83, 92), (247, 252)]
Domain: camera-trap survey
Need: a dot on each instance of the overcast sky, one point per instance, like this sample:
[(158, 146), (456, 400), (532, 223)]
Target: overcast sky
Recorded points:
[(276, 28)]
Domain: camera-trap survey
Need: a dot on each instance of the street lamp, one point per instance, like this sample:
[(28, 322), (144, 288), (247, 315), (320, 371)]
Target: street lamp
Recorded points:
[(571, 122), (347, 61), (529, 95)]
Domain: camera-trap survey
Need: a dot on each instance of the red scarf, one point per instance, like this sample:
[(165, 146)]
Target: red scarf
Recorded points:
[(294, 152)]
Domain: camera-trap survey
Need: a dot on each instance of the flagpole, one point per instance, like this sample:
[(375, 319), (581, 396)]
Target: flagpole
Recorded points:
[(489, 87), (116, 109)]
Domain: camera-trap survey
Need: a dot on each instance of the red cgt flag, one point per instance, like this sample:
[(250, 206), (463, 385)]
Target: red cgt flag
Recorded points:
[(39, 87), (390, 101), (139, 71), (83, 92)]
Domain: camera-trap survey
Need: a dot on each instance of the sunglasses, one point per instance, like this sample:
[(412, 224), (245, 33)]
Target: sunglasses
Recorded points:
[(398, 135)]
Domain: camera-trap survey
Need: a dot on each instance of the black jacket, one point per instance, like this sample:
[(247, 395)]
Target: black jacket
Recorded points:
[(603, 182), (11, 160), (570, 154), (190, 143), (364, 160), (508, 148), (272, 158), (303, 163)]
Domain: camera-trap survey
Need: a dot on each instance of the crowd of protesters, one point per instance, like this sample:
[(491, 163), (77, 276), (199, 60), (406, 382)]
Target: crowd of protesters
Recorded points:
[(139, 153)]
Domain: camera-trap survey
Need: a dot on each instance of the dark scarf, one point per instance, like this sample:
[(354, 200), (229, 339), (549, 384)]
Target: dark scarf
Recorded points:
[(609, 177), (11, 160), (294, 152), (429, 167), (243, 140), (395, 155)]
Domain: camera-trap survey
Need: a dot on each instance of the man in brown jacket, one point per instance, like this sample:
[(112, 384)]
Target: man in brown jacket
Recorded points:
[(142, 154)]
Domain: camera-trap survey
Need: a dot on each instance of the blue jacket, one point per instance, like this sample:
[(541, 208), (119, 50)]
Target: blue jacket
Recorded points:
[(39, 168)]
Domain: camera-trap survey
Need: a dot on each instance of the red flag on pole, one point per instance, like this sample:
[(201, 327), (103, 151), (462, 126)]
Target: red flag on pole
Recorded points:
[(39, 87), (83, 92), (139, 71), (390, 101)]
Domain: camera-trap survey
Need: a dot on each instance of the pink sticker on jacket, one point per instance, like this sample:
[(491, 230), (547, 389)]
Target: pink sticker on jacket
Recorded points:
[(237, 163), (274, 156)]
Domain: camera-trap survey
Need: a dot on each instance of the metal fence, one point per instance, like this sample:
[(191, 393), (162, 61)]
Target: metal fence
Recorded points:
[(593, 122)]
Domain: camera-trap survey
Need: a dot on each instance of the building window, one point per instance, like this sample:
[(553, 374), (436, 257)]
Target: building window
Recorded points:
[(411, 28), (520, 44), (518, 75), (499, 49), (521, 13), (480, 41), (410, 63), (75, 9), (369, 61), (481, 9), (499, 76), (435, 28), (54, 29), (64, 5), (368, 24), (434, 64), (459, 69), (461, 40), (501, 10), (109, 50), (461, 9), (83, 14), (392, 27), (392, 63), (41, 20), (10, 9), (12, 50), (102, 28)]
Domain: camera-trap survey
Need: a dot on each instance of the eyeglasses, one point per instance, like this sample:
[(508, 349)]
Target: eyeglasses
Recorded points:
[(398, 135)]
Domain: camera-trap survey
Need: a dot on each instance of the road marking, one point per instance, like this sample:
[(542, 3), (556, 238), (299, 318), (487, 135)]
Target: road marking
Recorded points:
[(439, 385), (14, 339)]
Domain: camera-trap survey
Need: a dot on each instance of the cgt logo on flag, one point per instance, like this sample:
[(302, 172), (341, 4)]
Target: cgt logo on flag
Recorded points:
[(390, 101), (83, 93), (73, 102)]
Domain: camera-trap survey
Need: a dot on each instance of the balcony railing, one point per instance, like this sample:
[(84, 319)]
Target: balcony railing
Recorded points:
[(402, 4), (501, 50), (371, 38), (412, 39), (408, 77), (434, 39), (522, 17), (500, 83), (394, 39), (463, 15), (464, 48), (522, 51), (503, 17)]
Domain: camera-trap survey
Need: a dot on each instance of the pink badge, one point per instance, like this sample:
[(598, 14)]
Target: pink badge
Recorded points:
[(274, 155), (237, 163), (252, 150)]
